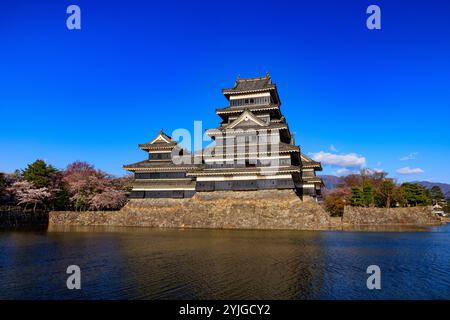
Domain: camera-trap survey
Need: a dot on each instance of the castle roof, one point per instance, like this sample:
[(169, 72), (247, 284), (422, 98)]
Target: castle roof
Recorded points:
[(276, 170), (251, 85), (252, 150), (307, 162), (158, 165), (315, 180), (253, 108), (161, 142), (226, 130)]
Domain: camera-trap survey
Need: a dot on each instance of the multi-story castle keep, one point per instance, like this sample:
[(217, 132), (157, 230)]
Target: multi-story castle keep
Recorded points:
[(254, 149)]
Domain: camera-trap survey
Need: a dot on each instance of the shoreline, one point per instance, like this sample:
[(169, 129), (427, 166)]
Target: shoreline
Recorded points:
[(349, 229)]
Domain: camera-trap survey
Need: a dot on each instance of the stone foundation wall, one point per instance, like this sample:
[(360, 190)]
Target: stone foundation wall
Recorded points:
[(263, 209), (392, 216), (16, 219)]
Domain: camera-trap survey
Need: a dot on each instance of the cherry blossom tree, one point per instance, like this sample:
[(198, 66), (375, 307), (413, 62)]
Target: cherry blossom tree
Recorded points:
[(27, 194), (83, 182), (94, 189), (109, 199)]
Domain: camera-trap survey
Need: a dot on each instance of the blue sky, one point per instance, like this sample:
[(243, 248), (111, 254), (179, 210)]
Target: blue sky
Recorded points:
[(354, 97)]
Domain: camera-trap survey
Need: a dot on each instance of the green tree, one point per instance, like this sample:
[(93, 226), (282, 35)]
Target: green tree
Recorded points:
[(62, 198), (415, 195), (385, 194), (39, 173), (2, 180), (447, 206), (368, 195), (437, 195), (357, 198)]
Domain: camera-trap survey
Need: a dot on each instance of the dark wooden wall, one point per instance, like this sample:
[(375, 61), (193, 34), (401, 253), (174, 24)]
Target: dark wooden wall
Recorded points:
[(245, 184)]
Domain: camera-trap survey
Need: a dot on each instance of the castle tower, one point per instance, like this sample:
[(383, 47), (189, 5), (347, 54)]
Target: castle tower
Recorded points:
[(254, 149), (159, 176), (254, 146)]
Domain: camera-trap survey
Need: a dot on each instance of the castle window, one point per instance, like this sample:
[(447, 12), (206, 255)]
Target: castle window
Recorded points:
[(249, 165)]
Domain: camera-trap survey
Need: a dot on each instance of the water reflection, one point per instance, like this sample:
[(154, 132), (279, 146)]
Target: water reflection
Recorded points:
[(141, 263)]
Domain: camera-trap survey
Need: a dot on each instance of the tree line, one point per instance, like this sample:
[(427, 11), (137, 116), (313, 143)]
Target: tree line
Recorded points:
[(79, 187), (374, 189)]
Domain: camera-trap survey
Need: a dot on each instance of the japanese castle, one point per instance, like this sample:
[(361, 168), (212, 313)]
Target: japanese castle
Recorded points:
[(253, 150)]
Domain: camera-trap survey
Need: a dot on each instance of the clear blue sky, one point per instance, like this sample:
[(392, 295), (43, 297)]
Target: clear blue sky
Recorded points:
[(138, 66)]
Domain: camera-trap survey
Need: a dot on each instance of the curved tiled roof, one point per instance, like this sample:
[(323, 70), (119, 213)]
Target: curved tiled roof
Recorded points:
[(272, 126), (313, 180), (158, 165), (253, 108), (158, 146), (245, 171), (307, 162), (250, 149), (161, 141), (251, 85)]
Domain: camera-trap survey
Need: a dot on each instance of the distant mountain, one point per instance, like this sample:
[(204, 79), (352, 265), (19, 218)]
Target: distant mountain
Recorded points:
[(331, 181), (445, 187)]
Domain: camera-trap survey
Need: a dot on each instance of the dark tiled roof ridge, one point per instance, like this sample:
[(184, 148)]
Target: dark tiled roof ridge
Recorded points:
[(266, 77), (251, 84), (282, 147), (271, 126), (157, 165), (249, 107), (158, 145)]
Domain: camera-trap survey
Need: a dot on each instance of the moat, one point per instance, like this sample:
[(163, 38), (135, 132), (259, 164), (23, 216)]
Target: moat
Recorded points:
[(145, 263)]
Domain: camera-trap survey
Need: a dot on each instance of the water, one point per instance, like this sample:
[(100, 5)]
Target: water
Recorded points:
[(141, 263)]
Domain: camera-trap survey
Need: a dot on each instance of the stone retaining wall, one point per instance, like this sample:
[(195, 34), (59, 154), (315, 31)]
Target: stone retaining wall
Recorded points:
[(15, 219), (263, 209), (392, 216)]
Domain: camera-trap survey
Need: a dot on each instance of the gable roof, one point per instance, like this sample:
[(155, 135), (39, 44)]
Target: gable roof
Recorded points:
[(246, 116), (161, 138), (161, 142)]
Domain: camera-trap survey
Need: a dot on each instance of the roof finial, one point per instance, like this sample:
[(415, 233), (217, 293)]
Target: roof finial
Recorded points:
[(238, 77), (267, 74)]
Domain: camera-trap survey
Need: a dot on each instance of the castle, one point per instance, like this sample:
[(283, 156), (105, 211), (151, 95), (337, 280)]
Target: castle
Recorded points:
[(254, 150)]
